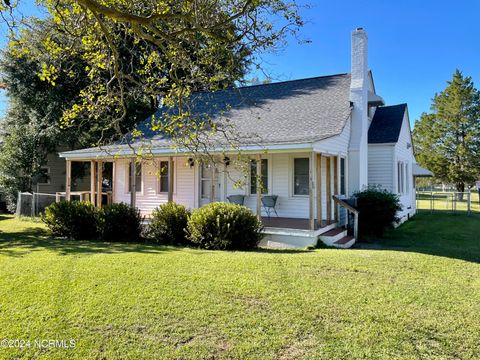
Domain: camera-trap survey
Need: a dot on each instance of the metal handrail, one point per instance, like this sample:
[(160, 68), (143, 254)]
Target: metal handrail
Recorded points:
[(350, 208)]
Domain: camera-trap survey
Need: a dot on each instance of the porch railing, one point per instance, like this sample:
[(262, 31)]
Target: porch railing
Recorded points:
[(350, 209)]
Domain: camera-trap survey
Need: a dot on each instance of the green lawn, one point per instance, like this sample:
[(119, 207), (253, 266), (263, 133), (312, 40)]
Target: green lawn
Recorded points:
[(443, 201), (414, 295)]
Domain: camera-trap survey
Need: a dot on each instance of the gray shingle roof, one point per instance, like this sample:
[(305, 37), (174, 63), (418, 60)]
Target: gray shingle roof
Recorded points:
[(386, 124), (289, 112), (419, 171)]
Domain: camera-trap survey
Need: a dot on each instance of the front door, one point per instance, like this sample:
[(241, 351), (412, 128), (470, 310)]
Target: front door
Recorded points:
[(210, 184)]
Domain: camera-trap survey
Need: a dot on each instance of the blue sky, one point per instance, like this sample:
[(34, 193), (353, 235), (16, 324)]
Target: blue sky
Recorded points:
[(414, 46)]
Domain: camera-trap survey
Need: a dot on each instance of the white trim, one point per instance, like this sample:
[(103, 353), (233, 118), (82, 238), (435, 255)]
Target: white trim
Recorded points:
[(127, 178), (383, 144), (169, 152), (345, 180), (157, 162), (291, 176), (269, 159)]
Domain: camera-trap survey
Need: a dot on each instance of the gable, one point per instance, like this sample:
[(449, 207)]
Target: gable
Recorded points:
[(387, 124), (404, 143)]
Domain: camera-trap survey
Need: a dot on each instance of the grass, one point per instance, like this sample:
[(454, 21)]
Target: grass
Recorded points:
[(416, 294), (445, 201)]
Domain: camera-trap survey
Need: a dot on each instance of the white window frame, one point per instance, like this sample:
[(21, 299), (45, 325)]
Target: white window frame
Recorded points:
[(269, 176), (127, 178), (292, 174), (345, 180), (175, 173), (400, 177), (201, 179), (48, 176), (406, 181)]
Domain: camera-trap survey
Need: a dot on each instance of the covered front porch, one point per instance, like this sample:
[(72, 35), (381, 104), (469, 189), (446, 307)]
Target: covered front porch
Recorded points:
[(302, 182)]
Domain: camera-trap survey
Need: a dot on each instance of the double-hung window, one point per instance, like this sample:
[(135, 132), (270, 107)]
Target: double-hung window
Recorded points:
[(138, 177), (164, 176), (407, 182), (253, 176), (343, 185), (401, 177), (301, 176)]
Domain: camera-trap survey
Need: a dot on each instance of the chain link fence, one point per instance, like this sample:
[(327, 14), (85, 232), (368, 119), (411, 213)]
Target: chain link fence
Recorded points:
[(448, 201), (34, 204)]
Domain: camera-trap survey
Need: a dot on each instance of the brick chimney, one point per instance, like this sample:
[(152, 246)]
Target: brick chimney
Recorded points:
[(358, 150)]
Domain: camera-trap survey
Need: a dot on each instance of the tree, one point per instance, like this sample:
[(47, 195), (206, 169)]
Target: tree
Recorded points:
[(181, 47), (31, 127), (51, 88), (447, 140)]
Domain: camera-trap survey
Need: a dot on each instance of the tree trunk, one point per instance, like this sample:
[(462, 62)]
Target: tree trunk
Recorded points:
[(460, 190)]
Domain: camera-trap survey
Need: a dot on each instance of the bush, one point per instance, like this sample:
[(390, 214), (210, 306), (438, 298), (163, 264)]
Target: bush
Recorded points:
[(223, 226), (119, 222), (378, 209), (169, 224), (74, 220)]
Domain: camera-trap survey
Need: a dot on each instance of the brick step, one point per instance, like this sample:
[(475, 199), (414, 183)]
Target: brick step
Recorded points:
[(345, 242), (329, 237), (333, 232)]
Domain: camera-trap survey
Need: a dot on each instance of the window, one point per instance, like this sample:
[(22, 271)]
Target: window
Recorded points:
[(407, 182), (206, 177), (164, 175), (301, 176), (400, 177), (253, 176), (343, 187), (43, 177), (138, 177)]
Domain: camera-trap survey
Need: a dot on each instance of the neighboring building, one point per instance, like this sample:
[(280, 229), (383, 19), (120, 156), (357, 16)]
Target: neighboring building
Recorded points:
[(315, 137), (53, 176)]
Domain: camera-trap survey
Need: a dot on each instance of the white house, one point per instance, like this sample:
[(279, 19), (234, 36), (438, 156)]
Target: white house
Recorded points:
[(318, 140)]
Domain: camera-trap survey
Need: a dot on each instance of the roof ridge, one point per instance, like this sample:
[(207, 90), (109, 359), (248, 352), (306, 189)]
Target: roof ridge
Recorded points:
[(287, 81), (390, 106)]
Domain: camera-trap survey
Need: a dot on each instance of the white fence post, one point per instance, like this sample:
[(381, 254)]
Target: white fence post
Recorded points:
[(32, 207)]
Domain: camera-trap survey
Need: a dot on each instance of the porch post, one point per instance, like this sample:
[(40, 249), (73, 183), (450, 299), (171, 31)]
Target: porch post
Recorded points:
[(99, 182), (92, 182), (311, 195), (259, 186), (68, 182), (133, 192), (335, 184), (319, 190), (329, 191), (170, 179)]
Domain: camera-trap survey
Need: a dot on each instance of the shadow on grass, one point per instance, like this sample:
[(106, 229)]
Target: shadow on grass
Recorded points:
[(18, 244), (448, 235)]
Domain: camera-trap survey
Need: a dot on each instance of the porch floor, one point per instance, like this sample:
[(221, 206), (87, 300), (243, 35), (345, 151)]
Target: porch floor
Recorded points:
[(293, 223)]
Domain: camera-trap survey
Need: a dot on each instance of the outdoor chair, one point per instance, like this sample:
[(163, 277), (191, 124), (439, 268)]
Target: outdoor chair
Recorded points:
[(236, 199), (269, 202)]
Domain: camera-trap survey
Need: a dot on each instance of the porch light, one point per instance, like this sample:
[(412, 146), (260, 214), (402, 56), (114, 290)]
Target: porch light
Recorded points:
[(226, 161), (190, 162)]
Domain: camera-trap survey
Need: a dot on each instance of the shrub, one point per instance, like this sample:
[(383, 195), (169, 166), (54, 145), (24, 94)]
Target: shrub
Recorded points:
[(119, 222), (74, 220), (224, 226), (169, 224), (378, 209)]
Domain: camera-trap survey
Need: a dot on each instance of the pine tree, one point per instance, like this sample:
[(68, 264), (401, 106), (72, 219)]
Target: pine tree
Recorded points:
[(447, 140)]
